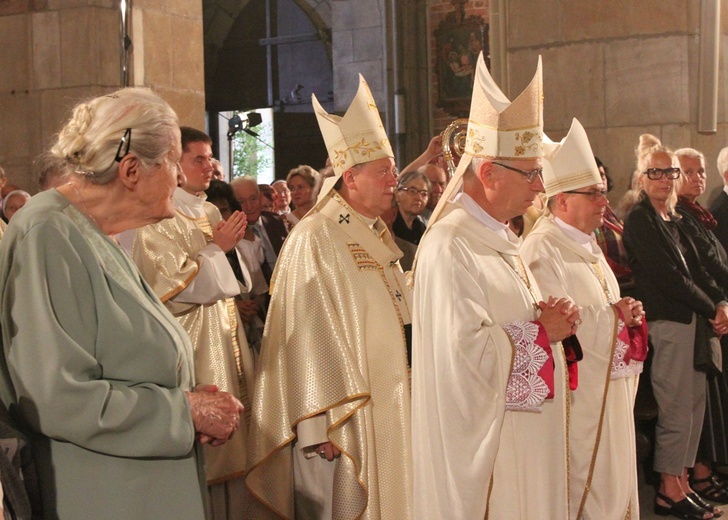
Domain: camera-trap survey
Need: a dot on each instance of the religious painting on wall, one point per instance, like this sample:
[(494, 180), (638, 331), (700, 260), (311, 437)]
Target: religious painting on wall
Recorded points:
[(458, 42)]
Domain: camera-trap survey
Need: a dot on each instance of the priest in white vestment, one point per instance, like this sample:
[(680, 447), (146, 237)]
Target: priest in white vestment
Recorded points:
[(489, 376), (565, 259), (184, 261), (330, 428)]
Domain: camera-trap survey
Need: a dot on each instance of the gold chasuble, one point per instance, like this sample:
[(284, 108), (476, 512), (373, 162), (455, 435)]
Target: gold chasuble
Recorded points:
[(334, 344), (167, 256)]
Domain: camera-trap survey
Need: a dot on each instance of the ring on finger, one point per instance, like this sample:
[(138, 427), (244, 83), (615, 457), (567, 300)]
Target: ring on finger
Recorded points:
[(577, 322)]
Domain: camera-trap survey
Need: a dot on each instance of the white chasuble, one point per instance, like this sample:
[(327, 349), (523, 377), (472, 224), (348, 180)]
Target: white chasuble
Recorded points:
[(334, 345), (603, 468), (167, 254), (485, 442)]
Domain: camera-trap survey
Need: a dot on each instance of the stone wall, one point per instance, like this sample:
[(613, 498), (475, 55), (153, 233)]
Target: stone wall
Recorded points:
[(358, 36), (622, 68), (58, 52)]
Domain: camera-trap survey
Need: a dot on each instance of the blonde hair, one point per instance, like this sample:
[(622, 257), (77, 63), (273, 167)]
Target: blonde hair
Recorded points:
[(648, 146), (90, 140), (310, 177)]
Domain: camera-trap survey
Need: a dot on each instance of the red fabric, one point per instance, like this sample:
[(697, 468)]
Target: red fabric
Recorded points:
[(573, 354), (547, 370), (636, 338)]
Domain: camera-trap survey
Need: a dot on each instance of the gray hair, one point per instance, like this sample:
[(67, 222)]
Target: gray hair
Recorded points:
[(405, 178), (14, 193), (237, 181), (690, 152), (48, 168), (91, 139), (723, 161)]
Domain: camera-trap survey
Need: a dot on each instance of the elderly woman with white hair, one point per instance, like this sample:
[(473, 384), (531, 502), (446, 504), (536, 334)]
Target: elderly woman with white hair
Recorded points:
[(700, 223), (13, 201), (677, 292), (96, 371)]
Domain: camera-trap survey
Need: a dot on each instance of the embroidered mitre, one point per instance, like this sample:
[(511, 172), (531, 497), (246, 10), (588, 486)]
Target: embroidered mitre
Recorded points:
[(498, 128), (357, 137), (569, 164)]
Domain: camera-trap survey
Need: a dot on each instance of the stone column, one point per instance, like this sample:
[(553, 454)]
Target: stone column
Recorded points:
[(58, 52)]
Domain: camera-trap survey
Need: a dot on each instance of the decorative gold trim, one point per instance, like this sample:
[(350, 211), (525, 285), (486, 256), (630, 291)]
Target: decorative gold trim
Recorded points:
[(238, 355), (600, 424), (174, 292), (289, 440)]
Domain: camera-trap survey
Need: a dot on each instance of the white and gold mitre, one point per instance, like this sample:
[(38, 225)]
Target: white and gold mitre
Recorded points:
[(499, 128), (569, 164), (357, 137)]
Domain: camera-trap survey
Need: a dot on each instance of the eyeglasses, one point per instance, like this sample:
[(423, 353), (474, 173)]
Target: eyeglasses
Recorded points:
[(655, 174), (414, 192), (126, 139), (530, 175), (591, 194)]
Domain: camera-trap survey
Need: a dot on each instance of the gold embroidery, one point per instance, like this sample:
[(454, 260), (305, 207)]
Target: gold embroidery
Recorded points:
[(362, 259), (363, 148), (238, 355), (520, 270), (599, 273)]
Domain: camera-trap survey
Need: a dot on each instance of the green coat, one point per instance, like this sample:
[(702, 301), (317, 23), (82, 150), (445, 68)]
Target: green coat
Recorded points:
[(96, 368)]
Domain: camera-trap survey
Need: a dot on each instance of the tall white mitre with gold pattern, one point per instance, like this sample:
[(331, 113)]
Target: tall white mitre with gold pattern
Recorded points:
[(355, 138), (569, 164), (498, 127)]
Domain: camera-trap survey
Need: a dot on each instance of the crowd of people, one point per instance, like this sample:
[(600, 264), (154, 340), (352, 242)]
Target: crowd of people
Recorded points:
[(356, 341)]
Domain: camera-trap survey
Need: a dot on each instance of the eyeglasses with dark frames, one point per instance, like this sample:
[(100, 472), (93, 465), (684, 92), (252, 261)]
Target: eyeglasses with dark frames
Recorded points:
[(591, 194), (655, 174), (125, 140), (530, 175), (414, 192)]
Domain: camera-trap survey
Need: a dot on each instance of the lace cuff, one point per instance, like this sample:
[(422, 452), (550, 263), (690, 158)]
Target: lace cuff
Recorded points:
[(626, 361), (532, 378)]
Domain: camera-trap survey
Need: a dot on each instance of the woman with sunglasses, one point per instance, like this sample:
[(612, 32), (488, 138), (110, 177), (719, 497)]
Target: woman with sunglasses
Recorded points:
[(411, 194), (674, 288), (95, 370)]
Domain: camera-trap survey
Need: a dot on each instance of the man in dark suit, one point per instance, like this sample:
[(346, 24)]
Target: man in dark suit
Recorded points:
[(719, 208), (267, 226)]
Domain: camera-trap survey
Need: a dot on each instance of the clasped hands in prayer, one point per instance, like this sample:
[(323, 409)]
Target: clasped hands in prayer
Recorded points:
[(229, 232), (560, 318), (631, 310), (215, 414)]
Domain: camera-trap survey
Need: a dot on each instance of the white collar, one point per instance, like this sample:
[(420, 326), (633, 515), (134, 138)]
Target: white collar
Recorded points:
[(368, 221), (190, 198), (577, 235), (725, 189), (482, 216), (188, 202)]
